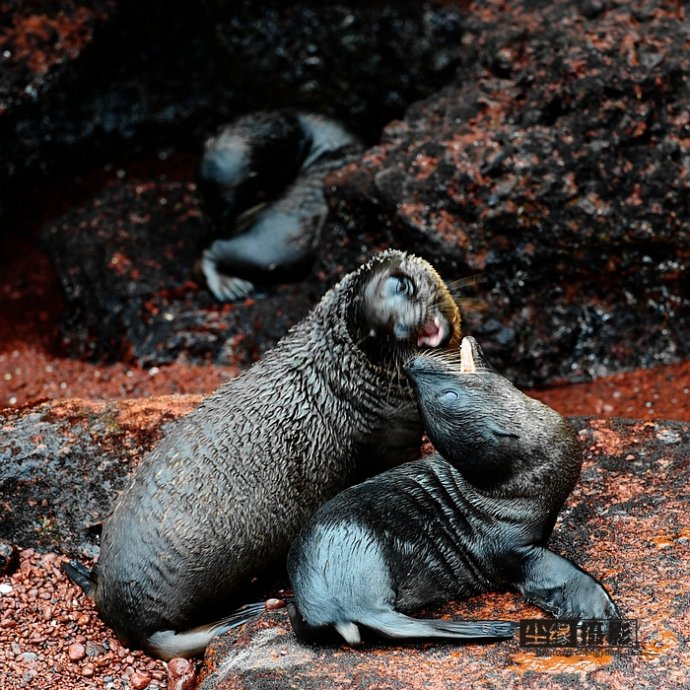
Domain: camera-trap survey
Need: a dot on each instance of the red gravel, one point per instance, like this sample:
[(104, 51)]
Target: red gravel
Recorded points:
[(32, 368), (51, 637)]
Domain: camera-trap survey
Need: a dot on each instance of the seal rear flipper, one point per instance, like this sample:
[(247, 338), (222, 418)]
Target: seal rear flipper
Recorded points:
[(168, 644), (82, 576), (225, 288), (559, 586), (398, 625)]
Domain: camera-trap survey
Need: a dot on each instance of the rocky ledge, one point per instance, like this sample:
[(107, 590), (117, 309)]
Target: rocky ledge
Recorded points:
[(626, 522)]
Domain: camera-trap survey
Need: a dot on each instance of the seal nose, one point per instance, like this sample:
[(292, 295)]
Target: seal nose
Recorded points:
[(411, 366)]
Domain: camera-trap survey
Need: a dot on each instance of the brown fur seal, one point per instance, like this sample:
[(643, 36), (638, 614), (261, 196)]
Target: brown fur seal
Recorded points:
[(261, 178), (474, 518), (226, 491)]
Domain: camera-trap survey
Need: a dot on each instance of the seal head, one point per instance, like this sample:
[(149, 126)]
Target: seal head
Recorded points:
[(400, 307)]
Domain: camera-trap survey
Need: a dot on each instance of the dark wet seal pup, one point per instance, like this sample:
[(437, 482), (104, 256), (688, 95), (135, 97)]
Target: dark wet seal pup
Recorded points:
[(474, 518), (262, 178), (229, 487)]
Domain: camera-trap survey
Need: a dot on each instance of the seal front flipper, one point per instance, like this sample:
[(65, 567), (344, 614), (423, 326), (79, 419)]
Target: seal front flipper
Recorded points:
[(225, 288), (168, 644), (278, 245), (557, 585)]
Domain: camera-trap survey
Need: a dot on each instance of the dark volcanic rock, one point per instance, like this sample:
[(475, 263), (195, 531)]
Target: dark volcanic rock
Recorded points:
[(62, 464), (151, 82), (155, 76), (626, 522), (38, 42), (126, 262), (558, 170), (362, 63)]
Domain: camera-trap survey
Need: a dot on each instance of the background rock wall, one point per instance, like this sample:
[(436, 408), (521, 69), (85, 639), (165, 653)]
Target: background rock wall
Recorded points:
[(552, 170)]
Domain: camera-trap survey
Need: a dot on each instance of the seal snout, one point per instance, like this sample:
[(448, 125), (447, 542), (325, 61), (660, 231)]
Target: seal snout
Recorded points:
[(420, 367), (427, 375), (426, 366)]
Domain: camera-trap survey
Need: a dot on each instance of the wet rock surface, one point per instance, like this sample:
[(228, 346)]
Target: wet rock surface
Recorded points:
[(38, 42)]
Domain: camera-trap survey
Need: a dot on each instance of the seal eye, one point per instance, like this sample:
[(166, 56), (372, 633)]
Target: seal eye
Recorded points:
[(448, 395), (404, 286)]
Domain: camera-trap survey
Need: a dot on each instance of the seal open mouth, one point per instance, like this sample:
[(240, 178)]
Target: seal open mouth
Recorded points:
[(434, 333)]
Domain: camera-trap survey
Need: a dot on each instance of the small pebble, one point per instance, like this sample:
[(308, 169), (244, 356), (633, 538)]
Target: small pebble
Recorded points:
[(93, 649), (181, 675), (88, 670), (274, 604), (76, 651), (139, 680)]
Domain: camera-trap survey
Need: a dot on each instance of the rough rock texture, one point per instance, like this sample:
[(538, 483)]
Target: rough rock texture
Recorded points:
[(626, 522), (556, 170), (126, 262), (39, 42), (81, 77), (338, 57), (62, 463)]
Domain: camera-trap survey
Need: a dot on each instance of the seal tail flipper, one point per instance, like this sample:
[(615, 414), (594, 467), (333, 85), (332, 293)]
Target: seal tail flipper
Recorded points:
[(168, 644), (81, 576), (398, 625), (559, 586)]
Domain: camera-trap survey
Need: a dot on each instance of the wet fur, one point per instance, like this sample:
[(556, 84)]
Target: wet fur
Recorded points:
[(226, 491), (472, 518)]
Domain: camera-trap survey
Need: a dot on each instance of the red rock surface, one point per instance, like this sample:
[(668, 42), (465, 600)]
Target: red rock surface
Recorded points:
[(626, 522), (38, 41)]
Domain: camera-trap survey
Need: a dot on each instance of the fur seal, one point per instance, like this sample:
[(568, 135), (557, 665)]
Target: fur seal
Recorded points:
[(474, 518), (261, 179), (222, 496)]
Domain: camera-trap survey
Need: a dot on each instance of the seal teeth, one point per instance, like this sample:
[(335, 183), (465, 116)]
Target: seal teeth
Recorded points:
[(467, 363)]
